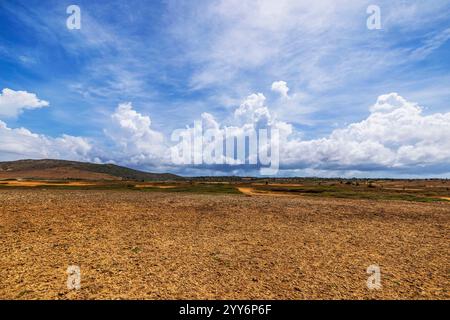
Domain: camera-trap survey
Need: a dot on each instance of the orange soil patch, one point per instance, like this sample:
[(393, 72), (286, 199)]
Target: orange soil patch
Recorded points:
[(247, 191), (154, 186), (279, 184), (43, 183), (252, 192), (218, 182)]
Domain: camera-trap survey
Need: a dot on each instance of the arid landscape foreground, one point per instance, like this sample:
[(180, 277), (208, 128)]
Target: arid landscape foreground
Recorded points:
[(194, 245)]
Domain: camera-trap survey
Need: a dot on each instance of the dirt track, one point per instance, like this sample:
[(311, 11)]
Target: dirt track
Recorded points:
[(190, 246)]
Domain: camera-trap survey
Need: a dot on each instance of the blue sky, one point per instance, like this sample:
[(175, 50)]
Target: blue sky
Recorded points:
[(171, 62)]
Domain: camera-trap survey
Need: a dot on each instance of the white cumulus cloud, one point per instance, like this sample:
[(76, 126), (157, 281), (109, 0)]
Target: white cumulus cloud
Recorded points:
[(20, 143), (134, 142), (396, 135), (12, 103), (281, 87)]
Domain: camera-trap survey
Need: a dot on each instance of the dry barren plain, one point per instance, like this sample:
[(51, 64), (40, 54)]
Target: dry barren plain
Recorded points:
[(163, 245)]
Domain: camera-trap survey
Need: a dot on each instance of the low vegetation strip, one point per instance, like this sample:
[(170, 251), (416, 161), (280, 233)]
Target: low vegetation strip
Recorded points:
[(431, 193)]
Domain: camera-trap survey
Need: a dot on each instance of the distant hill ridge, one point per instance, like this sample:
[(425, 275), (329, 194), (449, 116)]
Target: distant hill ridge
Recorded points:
[(63, 169)]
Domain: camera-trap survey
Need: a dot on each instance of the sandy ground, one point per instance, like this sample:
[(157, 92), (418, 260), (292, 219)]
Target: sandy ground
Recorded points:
[(247, 191), (15, 183), (147, 245)]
